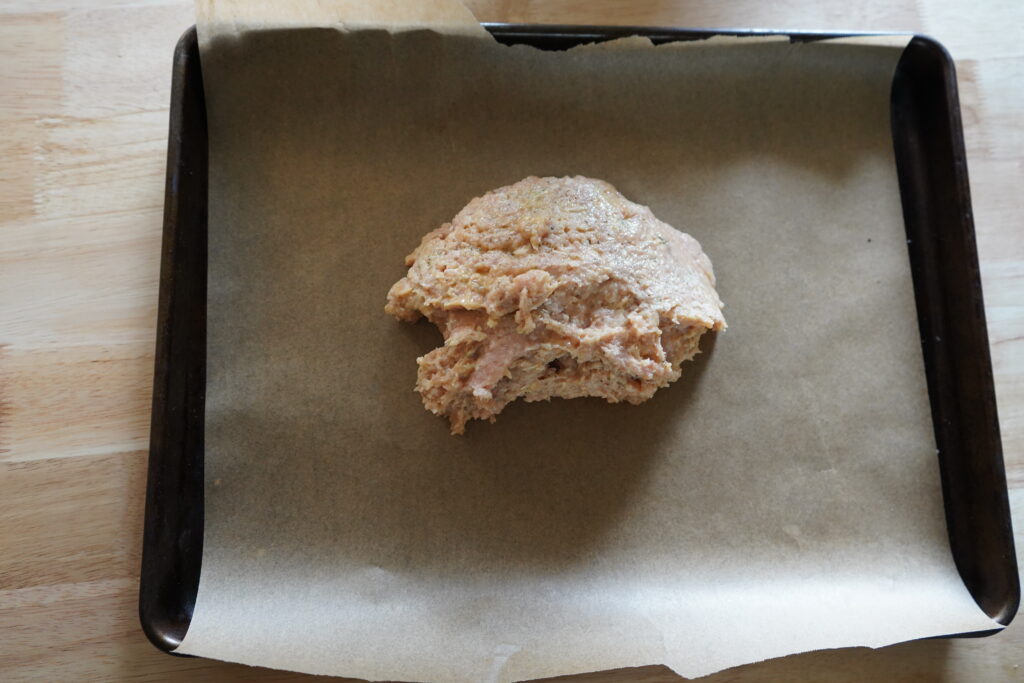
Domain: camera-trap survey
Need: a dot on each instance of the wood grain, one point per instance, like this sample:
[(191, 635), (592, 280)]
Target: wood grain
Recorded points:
[(84, 89)]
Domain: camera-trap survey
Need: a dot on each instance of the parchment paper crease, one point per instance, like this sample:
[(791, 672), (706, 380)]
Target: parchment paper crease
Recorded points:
[(783, 496)]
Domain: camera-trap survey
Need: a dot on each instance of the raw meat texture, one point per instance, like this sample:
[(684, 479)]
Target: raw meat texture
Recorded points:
[(554, 287)]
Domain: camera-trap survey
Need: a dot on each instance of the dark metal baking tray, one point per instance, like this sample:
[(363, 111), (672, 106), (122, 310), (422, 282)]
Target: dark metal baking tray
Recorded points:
[(932, 169)]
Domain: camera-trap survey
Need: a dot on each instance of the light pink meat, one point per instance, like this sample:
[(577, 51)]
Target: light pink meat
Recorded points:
[(554, 287)]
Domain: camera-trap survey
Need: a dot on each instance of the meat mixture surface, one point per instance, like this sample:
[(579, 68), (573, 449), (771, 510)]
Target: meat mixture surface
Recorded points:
[(554, 287)]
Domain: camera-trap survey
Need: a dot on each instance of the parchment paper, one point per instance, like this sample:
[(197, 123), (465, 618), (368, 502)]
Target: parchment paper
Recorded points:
[(783, 496)]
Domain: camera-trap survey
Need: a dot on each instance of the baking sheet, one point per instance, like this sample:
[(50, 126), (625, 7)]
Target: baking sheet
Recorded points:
[(782, 497)]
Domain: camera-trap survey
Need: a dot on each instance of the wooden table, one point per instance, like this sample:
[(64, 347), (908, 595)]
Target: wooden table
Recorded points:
[(84, 89)]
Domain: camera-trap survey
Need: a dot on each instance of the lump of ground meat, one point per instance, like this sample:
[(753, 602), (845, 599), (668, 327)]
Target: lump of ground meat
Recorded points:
[(554, 287)]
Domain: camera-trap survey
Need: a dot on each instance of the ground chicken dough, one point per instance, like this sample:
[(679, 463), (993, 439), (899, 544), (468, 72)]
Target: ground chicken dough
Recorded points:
[(554, 287)]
